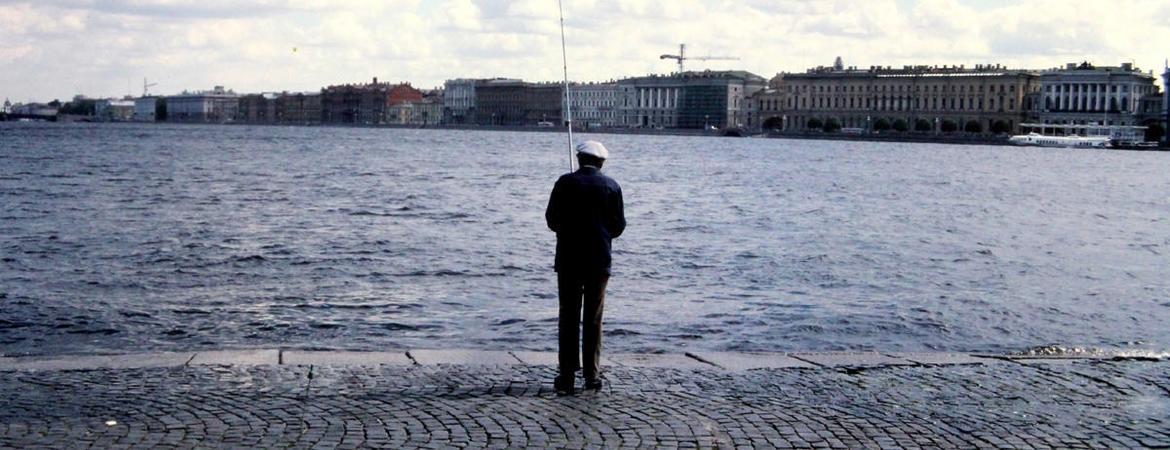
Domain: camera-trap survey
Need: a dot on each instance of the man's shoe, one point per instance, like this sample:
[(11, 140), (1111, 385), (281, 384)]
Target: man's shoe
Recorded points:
[(564, 385), (593, 385)]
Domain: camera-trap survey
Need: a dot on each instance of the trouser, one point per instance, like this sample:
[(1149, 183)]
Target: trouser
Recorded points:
[(582, 300)]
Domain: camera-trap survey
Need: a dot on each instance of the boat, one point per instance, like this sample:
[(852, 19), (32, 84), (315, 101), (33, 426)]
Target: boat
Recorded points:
[(1040, 140), (1135, 145), (1083, 136)]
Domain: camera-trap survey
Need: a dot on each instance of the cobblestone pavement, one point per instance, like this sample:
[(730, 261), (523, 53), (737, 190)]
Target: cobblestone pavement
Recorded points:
[(1001, 404)]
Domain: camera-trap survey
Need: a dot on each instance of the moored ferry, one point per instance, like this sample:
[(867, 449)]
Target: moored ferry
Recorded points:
[(1082, 136), (1040, 140)]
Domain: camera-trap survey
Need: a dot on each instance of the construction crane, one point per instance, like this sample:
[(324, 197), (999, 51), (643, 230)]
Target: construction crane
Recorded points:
[(146, 86), (682, 56)]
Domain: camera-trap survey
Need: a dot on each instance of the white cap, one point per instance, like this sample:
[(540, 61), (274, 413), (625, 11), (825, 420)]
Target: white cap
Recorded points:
[(593, 148)]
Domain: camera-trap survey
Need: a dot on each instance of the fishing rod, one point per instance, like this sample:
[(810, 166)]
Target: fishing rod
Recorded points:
[(565, 67)]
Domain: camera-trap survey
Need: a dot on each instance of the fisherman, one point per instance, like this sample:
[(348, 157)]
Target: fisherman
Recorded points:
[(586, 212)]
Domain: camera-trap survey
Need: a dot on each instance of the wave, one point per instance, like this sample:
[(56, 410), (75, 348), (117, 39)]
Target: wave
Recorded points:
[(396, 326)]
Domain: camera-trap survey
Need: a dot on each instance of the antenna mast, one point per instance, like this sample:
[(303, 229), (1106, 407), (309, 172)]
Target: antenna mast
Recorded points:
[(565, 66)]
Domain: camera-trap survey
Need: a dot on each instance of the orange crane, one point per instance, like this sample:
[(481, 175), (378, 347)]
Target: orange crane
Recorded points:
[(682, 56)]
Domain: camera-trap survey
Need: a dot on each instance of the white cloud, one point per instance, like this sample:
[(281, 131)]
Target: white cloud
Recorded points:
[(54, 49), (462, 15)]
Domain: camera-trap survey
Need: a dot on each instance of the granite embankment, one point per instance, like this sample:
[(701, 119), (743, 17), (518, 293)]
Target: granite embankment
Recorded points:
[(428, 398)]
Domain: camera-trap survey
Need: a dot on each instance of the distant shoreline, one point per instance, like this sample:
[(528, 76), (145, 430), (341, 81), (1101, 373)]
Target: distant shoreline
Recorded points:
[(906, 137)]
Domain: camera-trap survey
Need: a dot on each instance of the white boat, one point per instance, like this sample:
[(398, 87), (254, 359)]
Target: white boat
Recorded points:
[(1040, 140), (1092, 135)]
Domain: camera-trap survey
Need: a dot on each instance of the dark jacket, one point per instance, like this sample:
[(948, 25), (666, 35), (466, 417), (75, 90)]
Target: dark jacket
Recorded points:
[(586, 212)]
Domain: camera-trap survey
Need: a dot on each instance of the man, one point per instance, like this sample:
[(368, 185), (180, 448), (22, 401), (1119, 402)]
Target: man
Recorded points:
[(586, 212)]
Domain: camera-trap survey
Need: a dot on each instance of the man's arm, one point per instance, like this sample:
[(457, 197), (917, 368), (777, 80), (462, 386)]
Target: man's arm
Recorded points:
[(617, 214), (552, 214)]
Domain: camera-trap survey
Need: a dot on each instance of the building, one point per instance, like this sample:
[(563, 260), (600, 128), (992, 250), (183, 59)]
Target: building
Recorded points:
[(215, 106), (513, 102), (986, 98), (459, 101), (365, 104), (35, 109), (108, 110), (426, 112), (7, 108), (260, 108), (422, 113), (1150, 109), (687, 100), (145, 109), (1166, 104), (302, 108), (1083, 94), (594, 105), (499, 101)]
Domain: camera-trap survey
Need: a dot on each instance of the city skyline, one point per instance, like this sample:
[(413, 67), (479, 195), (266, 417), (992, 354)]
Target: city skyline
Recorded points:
[(56, 49)]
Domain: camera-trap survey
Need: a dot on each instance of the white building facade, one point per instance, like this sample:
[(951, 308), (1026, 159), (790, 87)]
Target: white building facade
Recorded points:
[(459, 101), (594, 105), (1087, 95), (215, 106)]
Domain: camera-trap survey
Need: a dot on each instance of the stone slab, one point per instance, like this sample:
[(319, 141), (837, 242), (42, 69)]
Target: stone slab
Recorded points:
[(328, 358), (944, 359), (739, 361), (463, 357), (537, 358), (236, 357), (850, 359), (1110, 404), (88, 362), (665, 360)]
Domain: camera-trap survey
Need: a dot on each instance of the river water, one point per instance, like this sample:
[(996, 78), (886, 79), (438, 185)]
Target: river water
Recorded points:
[(122, 237)]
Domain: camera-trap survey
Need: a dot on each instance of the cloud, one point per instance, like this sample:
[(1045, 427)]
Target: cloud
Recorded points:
[(176, 9), (1077, 30), (459, 15), (55, 48)]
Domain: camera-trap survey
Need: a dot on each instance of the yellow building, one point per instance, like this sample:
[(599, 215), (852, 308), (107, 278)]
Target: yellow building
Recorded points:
[(915, 98)]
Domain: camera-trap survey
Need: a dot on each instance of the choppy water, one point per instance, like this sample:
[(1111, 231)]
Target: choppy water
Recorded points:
[(132, 237)]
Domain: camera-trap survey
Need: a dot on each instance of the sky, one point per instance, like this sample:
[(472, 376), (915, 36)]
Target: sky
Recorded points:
[(55, 49)]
